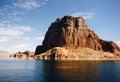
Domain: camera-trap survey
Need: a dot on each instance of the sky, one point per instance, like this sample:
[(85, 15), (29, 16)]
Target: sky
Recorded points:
[(23, 23)]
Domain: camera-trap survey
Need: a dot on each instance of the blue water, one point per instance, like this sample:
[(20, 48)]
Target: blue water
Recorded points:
[(20, 70)]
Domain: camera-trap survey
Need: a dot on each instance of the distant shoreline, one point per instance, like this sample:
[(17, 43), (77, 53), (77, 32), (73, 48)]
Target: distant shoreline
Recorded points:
[(71, 59)]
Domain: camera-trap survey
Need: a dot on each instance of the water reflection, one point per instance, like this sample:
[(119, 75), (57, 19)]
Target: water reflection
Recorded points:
[(70, 71), (79, 71), (59, 71)]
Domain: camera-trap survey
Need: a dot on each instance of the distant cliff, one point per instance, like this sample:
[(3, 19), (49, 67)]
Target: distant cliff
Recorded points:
[(72, 33), (5, 54)]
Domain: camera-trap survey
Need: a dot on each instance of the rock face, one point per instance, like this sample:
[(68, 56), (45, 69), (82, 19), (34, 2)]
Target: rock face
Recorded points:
[(71, 33), (39, 49)]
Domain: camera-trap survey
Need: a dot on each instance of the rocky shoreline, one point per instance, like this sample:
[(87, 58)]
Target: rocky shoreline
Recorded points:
[(59, 53)]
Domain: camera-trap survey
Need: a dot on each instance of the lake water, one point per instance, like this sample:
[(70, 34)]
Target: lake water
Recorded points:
[(20, 70)]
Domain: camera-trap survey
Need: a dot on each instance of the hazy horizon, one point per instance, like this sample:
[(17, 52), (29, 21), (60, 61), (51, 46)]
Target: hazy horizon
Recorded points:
[(23, 23)]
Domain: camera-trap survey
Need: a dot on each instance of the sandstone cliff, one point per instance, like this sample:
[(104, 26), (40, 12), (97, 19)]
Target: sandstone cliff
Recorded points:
[(73, 33)]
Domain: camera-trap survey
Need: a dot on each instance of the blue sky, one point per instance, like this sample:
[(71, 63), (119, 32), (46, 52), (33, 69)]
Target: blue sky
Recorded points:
[(23, 23)]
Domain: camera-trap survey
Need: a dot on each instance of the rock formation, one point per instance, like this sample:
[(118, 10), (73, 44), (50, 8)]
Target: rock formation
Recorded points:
[(26, 54), (73, 33)]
